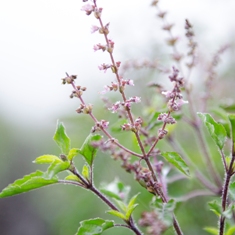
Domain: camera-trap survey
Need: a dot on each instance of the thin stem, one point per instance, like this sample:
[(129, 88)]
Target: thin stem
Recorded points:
[(176, 226), (228, 177)]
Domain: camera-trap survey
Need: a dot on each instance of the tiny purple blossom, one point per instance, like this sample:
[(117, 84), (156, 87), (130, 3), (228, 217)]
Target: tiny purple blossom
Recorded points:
[(94, 28), (130, 82), (104, 67), (181, 102), (106, 89), (115, 107), (88, 8), (135, 99), (104, 124)]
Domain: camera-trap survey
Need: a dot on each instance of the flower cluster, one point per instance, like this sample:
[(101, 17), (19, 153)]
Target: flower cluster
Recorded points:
[(126, 104), (175, 94)]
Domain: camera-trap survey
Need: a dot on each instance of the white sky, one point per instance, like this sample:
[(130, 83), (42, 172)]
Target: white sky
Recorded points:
[(41, 40)]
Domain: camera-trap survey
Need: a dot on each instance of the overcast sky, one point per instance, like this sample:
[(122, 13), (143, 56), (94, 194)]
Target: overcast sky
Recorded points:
[(41, 40)]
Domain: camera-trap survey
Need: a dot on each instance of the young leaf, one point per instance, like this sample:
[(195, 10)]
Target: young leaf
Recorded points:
[(121, 205), (116, 189), (228, 213), (176, 160), (72, 153), (231, 118), (94, 226), (164, 209), (47, 159), (212, 230), (55, 168), (232, 190), (215, 207), (85, 171), (62, 139), (88, 150), (27, 183), (230, 231), (216, 130), (131, 206), (72, 178), (117, 214)]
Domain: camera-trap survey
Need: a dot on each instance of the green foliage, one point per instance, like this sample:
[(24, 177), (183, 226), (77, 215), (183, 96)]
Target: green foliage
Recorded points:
[(116, 189), (164, 210), (61, 138), (231, 118), (126, 209), (94, 226), (88, 150), (72, 153), (215, 207), (216, 130), (47, 159), (55, 168), (85, 172), (176, 160), (212, 230), (29, 182)]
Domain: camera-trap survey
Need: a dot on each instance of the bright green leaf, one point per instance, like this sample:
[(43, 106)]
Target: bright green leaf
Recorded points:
[(121, 205), (176, 160), (117, 214), (212, 230), (88, 150), (232, 190), (215, 207), (231, 118), (62, 139), (94, 226), (85, 171), (72, 153), (47, 159), (132, 201), (216, 130), (29, 182), (130, 210), (55, 168), (73, 178), (230, 231), (228, 213)]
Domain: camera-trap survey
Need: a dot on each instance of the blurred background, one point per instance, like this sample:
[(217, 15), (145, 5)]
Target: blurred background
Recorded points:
[(40, 41)]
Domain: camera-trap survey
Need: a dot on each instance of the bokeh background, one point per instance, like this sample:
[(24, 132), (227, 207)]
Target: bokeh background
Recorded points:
[(39, 42)]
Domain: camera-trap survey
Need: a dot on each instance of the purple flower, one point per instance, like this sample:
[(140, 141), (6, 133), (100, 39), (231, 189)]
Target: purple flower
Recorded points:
[(88, 9), (94, 28)]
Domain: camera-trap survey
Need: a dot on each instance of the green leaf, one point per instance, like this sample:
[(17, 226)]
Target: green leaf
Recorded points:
[(88, 150), (55, 168), (176, 160), (131, 206), (228, 213), (94, 226), (117, 214), (72, 178), (164, 210), (228, 107), (62, 139), (116, 189), (215, 207), (232, 190), (216, 130), (72, 153), (230, 231), (212, 230), (231, 118), (29, 182), (85, 171), (47, 159), (121, 205)]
